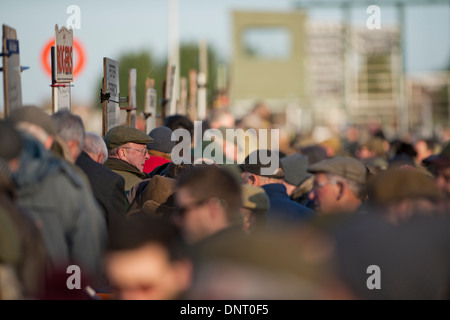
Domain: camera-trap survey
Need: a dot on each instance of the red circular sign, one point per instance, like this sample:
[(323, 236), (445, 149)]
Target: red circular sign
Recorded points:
[(78, 49)]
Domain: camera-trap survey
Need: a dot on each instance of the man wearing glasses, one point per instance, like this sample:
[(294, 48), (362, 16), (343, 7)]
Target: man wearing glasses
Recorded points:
[(339, 185), (127, 153)]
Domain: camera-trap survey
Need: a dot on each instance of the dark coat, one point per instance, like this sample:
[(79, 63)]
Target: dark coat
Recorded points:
[(108, 187), (282, 208)]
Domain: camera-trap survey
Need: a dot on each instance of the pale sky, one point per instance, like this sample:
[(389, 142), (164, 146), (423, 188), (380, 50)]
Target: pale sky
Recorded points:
[(109, 28)]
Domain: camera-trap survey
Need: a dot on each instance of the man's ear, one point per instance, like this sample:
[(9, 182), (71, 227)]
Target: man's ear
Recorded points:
[(49, 142), (99, 158), (121, 153), (252, 179)]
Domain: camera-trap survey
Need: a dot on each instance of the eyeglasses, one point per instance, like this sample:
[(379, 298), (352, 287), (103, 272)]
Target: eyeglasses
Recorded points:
[(319, 185), (142, 151)]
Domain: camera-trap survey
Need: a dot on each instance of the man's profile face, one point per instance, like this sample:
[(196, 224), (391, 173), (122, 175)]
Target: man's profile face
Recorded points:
[(136, 154), (324, 194)]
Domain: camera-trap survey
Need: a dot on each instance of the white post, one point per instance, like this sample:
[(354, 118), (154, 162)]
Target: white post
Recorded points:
[(173, 58), (202, 79)]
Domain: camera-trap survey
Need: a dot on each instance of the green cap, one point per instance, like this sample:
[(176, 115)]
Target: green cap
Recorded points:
[(254, 198), (120, 135)]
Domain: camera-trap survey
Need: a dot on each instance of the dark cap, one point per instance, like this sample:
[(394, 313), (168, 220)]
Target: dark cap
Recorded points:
[(259, 162), (442, 159), (295, 169), (161, 140), (401, 183), (120, 135), (10, 141), (254, 198), (346, 167), (34, 115)]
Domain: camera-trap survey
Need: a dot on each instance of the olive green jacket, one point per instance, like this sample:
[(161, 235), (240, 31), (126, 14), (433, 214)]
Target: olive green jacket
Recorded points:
[(130, 173)]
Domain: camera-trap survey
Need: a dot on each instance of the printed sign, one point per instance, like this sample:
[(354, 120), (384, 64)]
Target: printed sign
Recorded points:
[(11, 70), (131, 114), (111, 107), (64, 54), (150, 105)]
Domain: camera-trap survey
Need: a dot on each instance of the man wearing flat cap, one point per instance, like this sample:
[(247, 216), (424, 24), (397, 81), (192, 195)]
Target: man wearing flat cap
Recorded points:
[(262, 168), (127, 153), (339, 185)]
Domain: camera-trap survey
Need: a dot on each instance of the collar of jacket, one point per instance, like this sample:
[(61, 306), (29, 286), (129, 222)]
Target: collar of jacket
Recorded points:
[(275, 189), (120, 165)]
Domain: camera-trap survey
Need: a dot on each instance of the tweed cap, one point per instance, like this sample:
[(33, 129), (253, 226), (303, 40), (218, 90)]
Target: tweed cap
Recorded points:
[(254, 198), (121, 135), (157, 198), (34, 115), (161, 140), (295, 169), (346, 167), (260, 161), (10, 141), (401, 183)]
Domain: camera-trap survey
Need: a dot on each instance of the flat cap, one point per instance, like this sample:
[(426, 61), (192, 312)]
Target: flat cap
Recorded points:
[(34, 115), (254, 198), (162, 140), (346, 167), (295, 168), (120, 135), (401, 183), (263, 162)]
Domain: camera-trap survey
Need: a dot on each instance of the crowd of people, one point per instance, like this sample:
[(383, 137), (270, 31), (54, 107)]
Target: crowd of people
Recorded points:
[(355, 216)]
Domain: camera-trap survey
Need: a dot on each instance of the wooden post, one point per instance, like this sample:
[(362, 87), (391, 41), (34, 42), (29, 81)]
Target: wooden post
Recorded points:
[(12, 87), (54, 88), (110, 95)]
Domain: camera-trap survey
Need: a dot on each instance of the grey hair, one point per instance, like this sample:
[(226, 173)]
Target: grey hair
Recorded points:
[(95, 144), (69, 126), (358, 189)]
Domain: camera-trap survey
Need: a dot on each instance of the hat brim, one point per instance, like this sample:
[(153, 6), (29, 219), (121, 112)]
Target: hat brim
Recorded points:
[(437, 160)]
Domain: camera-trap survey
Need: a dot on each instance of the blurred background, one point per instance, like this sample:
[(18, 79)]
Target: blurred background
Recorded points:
[(319, 67)]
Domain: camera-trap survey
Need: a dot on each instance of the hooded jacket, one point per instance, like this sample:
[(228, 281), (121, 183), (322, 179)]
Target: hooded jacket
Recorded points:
[(63, 206)]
